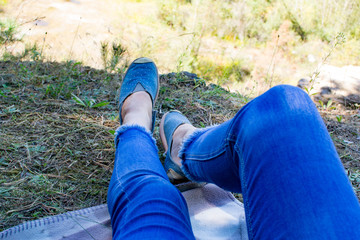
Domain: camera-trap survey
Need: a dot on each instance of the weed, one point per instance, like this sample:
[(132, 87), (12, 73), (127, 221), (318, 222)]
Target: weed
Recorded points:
[(188, 57), (88, 103), (339, 39), (30, 52), (59, 90), (339, 118), (172, 103), (35, 54), (326, 106), (118, 51), (105, 53), (111, 57), (8, 29), (4, 90)]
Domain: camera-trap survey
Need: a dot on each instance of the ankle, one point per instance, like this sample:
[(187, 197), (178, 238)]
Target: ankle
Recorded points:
[(180, 134), (137, 110)]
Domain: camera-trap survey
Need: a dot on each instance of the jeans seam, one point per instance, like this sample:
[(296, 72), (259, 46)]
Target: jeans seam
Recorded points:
[(121, 188), (244, 190), (207, 157)]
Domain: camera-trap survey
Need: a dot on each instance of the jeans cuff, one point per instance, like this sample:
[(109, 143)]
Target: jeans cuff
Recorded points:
[(120, 130), (182, 153)]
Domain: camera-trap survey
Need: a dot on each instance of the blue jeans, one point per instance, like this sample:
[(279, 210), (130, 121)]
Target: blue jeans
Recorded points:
[(276, 151)]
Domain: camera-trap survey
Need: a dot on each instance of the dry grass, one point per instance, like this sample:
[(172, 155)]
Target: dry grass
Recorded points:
[(343, 125), (52, 150), (57, 156)]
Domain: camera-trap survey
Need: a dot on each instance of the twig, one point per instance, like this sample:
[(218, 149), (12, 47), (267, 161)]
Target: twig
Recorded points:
[(38, 18), (347, 146), (272, 62), (25, 207), (72, 44)]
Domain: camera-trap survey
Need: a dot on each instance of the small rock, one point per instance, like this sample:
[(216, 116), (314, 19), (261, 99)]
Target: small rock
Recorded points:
[(303, 83)]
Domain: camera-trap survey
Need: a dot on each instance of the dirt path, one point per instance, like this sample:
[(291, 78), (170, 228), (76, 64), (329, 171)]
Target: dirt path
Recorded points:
[(74, 29)]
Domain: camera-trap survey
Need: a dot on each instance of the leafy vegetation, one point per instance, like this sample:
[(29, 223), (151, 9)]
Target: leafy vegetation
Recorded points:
[(256, 20), (113, 56), (285, 27), (90, 103), (7, 32)]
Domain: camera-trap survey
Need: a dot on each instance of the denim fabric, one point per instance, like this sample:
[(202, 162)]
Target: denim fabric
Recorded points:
[(277, 152), (142, 203)]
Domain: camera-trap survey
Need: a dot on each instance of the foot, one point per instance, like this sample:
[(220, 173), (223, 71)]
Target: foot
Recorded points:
[(137, 110), (180, 134), (139, 90)]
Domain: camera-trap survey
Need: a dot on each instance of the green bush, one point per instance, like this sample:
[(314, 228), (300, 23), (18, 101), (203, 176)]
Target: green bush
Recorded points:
[(7, 31), (224, 73)]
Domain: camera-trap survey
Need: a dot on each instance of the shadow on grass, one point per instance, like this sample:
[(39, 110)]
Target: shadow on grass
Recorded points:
[(57, 155)]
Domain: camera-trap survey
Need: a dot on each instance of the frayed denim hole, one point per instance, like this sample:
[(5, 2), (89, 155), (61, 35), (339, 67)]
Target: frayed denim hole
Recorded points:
[(186, 143), (124, 128)]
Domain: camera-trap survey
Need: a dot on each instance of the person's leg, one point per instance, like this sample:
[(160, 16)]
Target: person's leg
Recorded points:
[(277, 152), (142, 203)]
